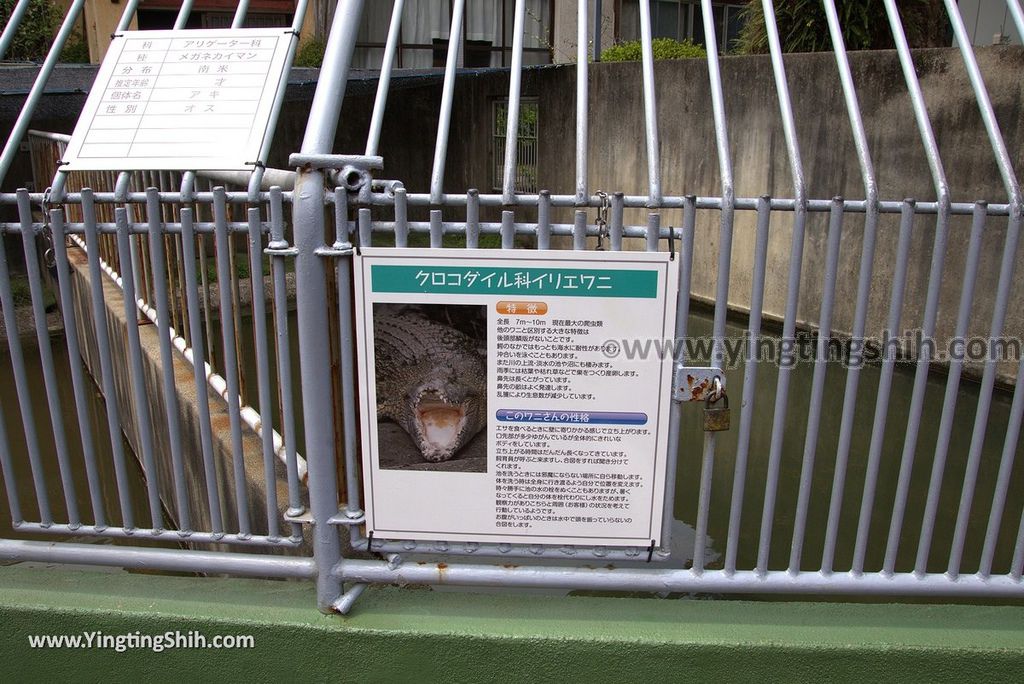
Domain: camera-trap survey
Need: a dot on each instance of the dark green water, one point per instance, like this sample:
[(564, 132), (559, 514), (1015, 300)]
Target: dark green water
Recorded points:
[(689, 459), (828, 437), (48, 452)]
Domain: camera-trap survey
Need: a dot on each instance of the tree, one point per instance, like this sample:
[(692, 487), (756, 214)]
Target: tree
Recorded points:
[(35, 33), (803, 26)]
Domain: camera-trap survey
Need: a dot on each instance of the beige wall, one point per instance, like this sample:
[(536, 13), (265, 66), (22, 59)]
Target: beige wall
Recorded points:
[(564, 47), (101, 17)]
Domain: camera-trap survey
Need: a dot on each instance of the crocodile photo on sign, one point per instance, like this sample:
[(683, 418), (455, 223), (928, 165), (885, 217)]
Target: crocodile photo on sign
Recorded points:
[(431, 380)]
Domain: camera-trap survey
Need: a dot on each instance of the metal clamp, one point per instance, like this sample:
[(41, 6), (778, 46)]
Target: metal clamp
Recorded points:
[(280, 248), (347, 518), (697, 383), (338, 249)]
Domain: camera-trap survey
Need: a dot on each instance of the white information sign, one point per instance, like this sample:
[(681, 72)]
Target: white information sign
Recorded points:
[(181, 100), (497, 402)]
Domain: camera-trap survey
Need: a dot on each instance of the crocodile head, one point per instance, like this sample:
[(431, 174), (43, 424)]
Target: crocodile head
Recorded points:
[(445, 410)]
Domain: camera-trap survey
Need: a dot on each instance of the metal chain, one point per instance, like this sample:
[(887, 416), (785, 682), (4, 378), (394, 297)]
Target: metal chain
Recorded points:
[(602, 219)]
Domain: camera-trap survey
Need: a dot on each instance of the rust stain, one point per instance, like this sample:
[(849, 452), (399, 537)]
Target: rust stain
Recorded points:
[(441, 571), (695, 389)]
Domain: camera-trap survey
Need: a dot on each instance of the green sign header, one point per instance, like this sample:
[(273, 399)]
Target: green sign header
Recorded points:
[(490, 280)]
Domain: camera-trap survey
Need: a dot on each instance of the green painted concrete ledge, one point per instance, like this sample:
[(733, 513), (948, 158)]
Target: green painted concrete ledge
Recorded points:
[(415, 634)]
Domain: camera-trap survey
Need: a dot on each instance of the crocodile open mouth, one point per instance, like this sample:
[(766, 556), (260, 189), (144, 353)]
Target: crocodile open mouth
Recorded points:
[(439, 424)]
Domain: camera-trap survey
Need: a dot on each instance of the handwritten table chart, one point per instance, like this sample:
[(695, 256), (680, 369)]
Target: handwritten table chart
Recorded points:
[(181, 100)]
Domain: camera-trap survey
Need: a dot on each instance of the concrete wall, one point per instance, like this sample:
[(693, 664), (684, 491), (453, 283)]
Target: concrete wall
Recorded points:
[(689, 164)]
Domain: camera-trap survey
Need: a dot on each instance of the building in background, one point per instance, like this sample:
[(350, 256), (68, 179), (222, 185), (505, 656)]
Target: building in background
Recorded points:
[(486, 38), (988, 22)]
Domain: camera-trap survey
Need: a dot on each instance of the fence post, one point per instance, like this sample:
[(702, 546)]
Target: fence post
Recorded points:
[(311, 300)]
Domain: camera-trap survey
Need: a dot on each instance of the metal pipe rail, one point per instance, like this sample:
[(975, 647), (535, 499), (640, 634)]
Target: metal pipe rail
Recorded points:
[(170, 244)]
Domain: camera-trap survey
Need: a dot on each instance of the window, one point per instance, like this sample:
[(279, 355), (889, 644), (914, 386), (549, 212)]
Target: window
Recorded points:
[(682, 20), (526, 150)]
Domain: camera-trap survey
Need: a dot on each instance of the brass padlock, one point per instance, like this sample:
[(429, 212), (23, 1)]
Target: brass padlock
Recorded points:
[(716, 419)]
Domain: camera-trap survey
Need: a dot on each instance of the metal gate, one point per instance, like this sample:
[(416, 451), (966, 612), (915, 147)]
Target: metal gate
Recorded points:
[(127, 232)]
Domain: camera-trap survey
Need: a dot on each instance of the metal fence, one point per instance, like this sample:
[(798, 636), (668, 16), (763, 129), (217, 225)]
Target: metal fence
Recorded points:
[(113, 226)]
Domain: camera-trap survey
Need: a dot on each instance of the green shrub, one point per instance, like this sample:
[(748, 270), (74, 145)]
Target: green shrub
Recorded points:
[(803, 26), (76, 51), (36, 31), (311, 54), (663, 48)]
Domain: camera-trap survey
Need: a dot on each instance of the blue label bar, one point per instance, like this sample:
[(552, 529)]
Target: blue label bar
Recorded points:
[(573, 417)]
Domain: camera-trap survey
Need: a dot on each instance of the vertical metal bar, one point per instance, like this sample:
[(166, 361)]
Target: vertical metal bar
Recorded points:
[(650, 107), (157, 245), (950, 397), (436, 228), (508, 229), (259, 324), (22, 388), (681, 329), (350, 429), (884, 387), (935, 273), (200, 370), (228, 336), (401, 218), (179, 291), (835, 231), (1006, 271), (544, 220), (364, 226), (1005, 470), (1017, 563), (308, 219), (126, 17), (10, 479), (472, 219), (1018, 16), (284, 354), (99, 314), (232, 277), (864, 278), (653, 232), (508, 195), (183, 14), (722, 277), (78, 381), (204, 261), (447, 97), (579, 230), (582, 102), (240, 12), (35, 283), (597, 30), (24, 119), (793, 287), (138, 371), (749, 382), (384, 80), (615, 227)]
